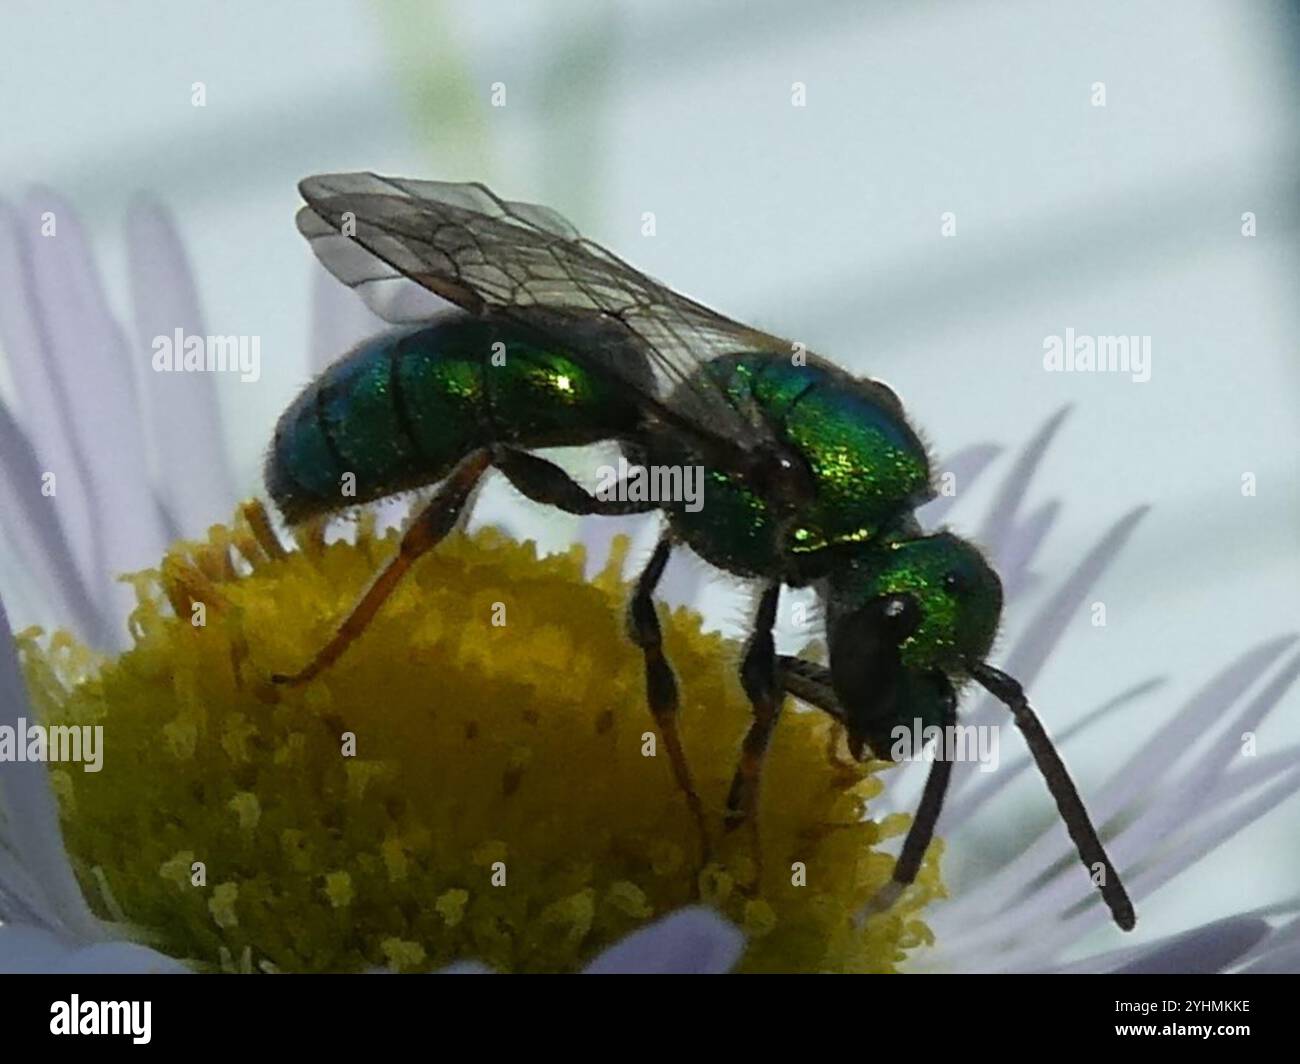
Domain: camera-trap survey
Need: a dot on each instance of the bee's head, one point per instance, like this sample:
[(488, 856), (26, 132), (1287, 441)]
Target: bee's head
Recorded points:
[(903, 621)]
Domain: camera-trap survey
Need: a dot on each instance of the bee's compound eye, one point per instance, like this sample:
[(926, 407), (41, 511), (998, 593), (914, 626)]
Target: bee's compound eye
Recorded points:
[(954, 581)]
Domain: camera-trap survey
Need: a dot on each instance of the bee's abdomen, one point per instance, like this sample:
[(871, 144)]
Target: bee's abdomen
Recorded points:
[(400, 411)]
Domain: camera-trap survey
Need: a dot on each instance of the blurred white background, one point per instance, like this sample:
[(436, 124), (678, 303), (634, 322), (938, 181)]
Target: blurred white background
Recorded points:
[(822, 223)]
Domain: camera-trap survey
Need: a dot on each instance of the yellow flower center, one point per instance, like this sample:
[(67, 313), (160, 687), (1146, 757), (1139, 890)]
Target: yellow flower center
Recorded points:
[(477, 777)]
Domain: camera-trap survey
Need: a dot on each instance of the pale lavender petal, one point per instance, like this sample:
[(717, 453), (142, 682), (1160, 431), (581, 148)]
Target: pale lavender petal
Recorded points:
[(90, 359), (1012, 887), (1286, 937), (1046, 628), (195, 481), (21, 899), (1101, 963), (33, 528), (1022, 546), (1183, 802), (977, 795), (1002, 514), (1282, 962), (1254, 772), (1204, 950), (91, 388), (1211, 832), (31, 950), (1209, 835), (30, 811), (464, 968), (692, 941), (1172, 739), (1050, 623), (34, 951), (965, 466), (43, 405), (119, 958)]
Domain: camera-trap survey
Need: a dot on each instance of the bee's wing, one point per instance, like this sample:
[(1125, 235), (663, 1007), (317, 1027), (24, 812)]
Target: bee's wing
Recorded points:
[(526, 263)]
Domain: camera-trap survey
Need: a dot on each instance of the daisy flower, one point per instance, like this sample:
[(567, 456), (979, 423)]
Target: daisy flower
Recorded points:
[(460, 793)]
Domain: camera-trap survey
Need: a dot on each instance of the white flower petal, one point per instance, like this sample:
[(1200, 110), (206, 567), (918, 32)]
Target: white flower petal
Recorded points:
[(1197, 717), (22, 900), (119, 958), (1281, 962), (692, 941), (31, 523), (1042, 635), (42, 399), (1211, 948), (1182, 803), (33, 951), (31, 813), (1022, 545), (90, 360), (196, 483), (1001, 519), (1207, 836), (1280, 952), (466, 968), (975, 797), (1006, 903), (965, 466)]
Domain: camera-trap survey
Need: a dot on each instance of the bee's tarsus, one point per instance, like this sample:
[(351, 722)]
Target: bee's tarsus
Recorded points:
[(880, 902)]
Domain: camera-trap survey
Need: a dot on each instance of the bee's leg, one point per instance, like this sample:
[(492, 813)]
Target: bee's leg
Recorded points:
[(424, 533), (758, 676), (920, 834), (660, 683), (811, 683), (547, 483)]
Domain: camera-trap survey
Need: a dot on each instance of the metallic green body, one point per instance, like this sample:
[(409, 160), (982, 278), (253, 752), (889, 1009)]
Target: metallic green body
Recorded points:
[(400, 411), (869, 470)]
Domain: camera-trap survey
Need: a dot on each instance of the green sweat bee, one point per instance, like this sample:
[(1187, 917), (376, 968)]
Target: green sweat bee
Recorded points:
[(812, 475)]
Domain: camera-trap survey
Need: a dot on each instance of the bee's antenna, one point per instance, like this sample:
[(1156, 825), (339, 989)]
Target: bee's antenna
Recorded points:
[(1068, 802)]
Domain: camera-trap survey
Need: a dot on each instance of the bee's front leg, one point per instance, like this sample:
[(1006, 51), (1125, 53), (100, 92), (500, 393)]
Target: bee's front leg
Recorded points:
[(811, 683), (758, 676)]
